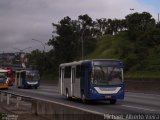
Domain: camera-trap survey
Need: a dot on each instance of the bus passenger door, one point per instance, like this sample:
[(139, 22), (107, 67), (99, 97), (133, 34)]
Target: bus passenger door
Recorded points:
[(62, 81), (73, 73), (86, 80), (18, 79)]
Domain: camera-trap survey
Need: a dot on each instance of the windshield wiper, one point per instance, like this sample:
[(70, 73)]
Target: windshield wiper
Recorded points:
[(109, 76)]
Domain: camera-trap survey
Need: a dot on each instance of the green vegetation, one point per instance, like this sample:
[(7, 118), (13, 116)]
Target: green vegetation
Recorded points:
[(143, 74), (135, 40), (119, 47)]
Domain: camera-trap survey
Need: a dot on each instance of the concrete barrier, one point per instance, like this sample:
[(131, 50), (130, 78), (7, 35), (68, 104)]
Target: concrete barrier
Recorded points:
[(60, 111), (143, 85), (52, 110)]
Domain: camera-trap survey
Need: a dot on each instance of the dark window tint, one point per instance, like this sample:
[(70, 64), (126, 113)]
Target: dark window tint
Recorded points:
[(67, 73), (78, 71)]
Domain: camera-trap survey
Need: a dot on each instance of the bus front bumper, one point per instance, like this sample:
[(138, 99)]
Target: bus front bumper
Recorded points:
[(96, 95), (3, 86)]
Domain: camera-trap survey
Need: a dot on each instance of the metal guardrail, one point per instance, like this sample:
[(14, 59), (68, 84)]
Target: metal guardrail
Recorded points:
[(8, 96), (52, 109)]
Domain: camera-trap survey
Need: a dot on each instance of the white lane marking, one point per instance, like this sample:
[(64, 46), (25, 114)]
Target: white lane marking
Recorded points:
[(141, 96), (41, 92), (135, 107), (145, 94)]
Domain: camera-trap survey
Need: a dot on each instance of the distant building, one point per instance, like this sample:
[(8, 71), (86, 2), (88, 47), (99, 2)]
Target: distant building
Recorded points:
[(7, 57)]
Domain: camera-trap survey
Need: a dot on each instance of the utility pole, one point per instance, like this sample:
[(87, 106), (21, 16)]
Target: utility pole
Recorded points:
[(82, 40), (158, 17), (131, 11)]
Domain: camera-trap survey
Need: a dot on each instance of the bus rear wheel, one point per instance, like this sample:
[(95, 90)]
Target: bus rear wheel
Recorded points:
[(113, 101)]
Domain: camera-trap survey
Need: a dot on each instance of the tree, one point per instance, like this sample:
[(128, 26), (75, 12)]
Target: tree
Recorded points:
[(138, 23), (85, 20), (136, 40), (66, 42), (36, 59)]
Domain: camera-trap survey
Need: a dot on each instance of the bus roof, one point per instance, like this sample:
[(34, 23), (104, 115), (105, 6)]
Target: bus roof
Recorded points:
[(106, 60), (26, 70), (71, 63), (3, 70), (84, 61)]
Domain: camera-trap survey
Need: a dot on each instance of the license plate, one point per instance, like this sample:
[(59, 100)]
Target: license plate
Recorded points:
[(108, 97)]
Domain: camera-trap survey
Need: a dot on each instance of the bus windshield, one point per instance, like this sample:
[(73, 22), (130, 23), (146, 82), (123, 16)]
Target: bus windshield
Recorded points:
[(3, 76), (104, 75), (32, 76)]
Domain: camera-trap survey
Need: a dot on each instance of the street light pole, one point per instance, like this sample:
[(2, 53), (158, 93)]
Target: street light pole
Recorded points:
[(83, 42), (43, 45), (80, 25), (22, 50), (158, 17)]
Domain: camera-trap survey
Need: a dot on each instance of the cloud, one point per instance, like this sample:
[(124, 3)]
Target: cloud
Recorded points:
[(23, 20)]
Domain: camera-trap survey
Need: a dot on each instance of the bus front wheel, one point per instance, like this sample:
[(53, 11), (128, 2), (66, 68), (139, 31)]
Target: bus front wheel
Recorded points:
[(35, 87), (113, 101), (67, 95)]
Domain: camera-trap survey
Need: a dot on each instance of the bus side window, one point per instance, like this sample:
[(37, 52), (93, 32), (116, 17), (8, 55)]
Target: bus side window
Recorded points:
[(67, 72), (73, 75), (23, 75), (78, 71), (59, 72), (17, 75)]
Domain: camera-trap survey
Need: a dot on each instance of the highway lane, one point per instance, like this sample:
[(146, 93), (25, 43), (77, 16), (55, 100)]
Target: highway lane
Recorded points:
[(134, 103)]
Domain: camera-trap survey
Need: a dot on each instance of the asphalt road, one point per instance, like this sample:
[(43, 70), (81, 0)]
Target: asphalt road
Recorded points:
[(134, 103)]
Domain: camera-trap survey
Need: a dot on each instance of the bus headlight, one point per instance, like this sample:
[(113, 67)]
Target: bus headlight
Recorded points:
[(7, 81), (93, 91), (121, 91)]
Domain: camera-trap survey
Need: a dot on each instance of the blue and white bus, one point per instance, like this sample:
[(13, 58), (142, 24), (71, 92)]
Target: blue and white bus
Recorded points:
[(98, 79), (27, 79)]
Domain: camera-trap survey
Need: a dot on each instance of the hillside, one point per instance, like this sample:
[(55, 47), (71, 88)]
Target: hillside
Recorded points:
[(135, 40), (145, 63)]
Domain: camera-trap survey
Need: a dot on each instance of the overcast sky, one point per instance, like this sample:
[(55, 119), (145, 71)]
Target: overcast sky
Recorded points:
[(24, 20)]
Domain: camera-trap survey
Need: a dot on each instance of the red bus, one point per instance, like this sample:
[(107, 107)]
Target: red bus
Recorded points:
[(3, 79), (11, 76)]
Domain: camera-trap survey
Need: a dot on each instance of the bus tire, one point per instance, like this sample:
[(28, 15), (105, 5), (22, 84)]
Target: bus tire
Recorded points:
[(113, 101), (83, 98), (67, 95), (35, 87)]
